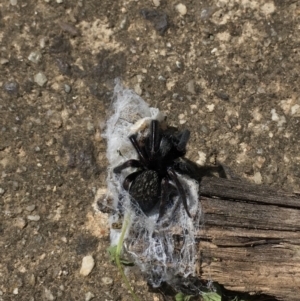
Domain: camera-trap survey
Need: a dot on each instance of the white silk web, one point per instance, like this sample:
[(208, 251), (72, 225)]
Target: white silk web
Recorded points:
[(151, 244)]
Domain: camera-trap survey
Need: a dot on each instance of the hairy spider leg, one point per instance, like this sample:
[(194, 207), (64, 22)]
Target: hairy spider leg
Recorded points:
[(128, 180), (139, 150), (154, 138), (183, 140), (180, 189), (129, 163)]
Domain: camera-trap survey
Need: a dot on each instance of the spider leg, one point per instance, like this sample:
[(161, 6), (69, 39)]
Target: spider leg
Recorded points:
[(180, 189), (128, 180), (154, 138), (129, 163), (183, 140), (139, 150)]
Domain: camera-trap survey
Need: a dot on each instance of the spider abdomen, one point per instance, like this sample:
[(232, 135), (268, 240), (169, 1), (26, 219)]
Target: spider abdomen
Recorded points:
[(146, 189)]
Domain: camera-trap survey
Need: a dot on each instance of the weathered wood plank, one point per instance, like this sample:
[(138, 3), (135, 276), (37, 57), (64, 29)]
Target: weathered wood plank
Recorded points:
[(250, 240)]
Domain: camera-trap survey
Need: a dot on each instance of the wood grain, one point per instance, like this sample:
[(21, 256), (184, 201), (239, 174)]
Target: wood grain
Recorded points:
[(250, 240)]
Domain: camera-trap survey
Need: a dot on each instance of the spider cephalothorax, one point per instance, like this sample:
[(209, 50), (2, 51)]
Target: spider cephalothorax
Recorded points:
[(155, 180)]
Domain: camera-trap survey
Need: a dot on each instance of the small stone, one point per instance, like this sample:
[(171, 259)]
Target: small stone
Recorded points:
[(42, 40), (204, 129), (15, 185), (107, 280), (13, 2), (90, 127), (181, 8), (33, 218), (257, 178), (191, 87), (40, 78), (2, 191), (138, 90), (16, 291), (4, 61), (67, 88), (161, 78), (11, 87), (32, 280), (175, 96), (35, 57), (30, 208), (202, 158), (49, 295), (210, 107), (123, 23), (89, 296), (295, 109), (156, 3), (59, 1), (87, 265), (20, 223), (178, 64)]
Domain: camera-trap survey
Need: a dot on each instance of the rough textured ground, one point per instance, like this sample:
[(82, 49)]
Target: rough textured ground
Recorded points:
[(227, 70)]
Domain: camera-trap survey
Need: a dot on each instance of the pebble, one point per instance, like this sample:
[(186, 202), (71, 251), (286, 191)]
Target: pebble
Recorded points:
[(202, 158), (156, 3), (107, 280), (87, 265), (42, 41), (32, 280), (123, 23), (13, 2), (33, 218), (4, 61), (49, 295), (35, 57), (90, 126), (161, 78), (16, 291), (11, 87), (69, 28), (89, 296), (15, 185), (30, 208), (40, 78), (204, 129), (181, 8), (210, 107), (191, 87), (178, 64), (59, 1), (20, 223), (257, 178), (67, 88), (138, 90), (1, 191)]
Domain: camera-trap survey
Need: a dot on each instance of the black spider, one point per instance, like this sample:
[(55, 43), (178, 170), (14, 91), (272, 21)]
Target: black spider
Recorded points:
[(155, 180)]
